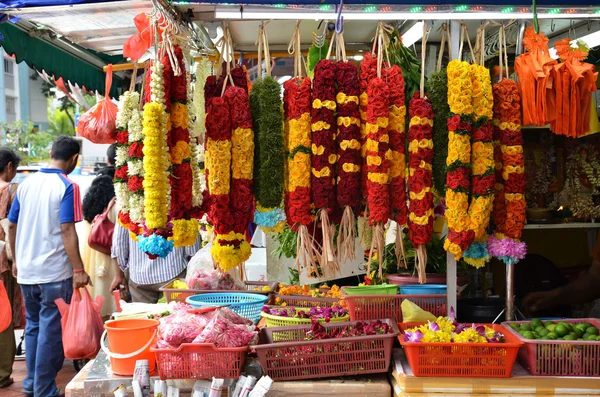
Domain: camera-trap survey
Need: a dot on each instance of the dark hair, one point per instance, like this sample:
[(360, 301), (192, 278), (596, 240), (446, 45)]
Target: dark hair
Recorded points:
[(8, 156), (111, 153), (65, 147), (97, 197)]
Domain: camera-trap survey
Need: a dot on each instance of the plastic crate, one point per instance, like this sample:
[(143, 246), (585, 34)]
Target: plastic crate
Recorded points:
[(246, 305), (388, 289), (306, 301), (200, 361), (558, 357), (373, 307), (281, 321), (472, 360), (293, 358), (180, 295)]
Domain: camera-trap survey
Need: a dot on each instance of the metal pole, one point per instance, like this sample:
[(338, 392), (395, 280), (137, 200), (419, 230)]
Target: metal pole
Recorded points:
[(510, 269)]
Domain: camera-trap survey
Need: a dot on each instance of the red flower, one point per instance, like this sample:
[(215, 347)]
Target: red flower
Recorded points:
[(483, 185), (458, 178), (136, 150), (123, 137), (135, 184), (121, 173)]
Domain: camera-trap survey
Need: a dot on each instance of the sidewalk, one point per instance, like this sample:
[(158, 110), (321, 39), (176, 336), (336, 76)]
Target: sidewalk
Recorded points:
[(19, 371)]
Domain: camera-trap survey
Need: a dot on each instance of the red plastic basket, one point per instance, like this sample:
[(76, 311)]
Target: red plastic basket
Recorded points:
[(373, 307), (306, 301), (293, 358), (473, 360), (200, 361), (557, 357), (180, 295)]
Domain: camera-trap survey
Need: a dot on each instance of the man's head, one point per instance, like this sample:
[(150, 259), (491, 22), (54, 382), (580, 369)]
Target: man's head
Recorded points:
[(65, 150), (111, 155), (9, 161)]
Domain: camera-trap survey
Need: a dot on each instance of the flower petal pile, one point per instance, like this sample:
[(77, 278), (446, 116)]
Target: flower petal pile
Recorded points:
[(447, 330)]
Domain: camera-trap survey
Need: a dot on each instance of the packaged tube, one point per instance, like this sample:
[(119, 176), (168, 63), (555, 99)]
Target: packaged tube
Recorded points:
[(120, 391), (201, 388), (262, 387), (172, 391), (248, 385), (160, 388), (137, 389), (216, 388), (238, 386)]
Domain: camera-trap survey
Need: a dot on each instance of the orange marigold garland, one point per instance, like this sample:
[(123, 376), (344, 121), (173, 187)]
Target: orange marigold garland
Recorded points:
[(324, 157), (505, 244), (420, 177), (377, 161), (397, 132), (349, 195)]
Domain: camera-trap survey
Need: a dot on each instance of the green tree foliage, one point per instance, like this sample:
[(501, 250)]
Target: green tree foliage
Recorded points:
[(33, 146), (60, 123)]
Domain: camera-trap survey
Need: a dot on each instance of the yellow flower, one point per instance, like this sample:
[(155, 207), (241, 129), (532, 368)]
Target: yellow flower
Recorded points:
[(459, 148), (512, 149), (318, 150), (179, 115), (342, 98), (420, 195), (332, 158), (325, 172), (299, 171), (179, 152), (421, 220), (513, 196), (349, 144), (185, 232), (371, 145), (415, 145), (382, 122), (229, 256), (242, 151), (320, 126), (373, 160), (349, 167), (378, 177), (318, 104), (218, 162), (364, 101), (347, 121)]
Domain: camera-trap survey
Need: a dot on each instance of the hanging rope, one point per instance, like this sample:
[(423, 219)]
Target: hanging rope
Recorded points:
[(445, 41), (423, 53), (294, 48)]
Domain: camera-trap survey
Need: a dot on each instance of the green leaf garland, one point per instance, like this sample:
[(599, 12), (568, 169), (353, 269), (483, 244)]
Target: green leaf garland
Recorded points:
[(437, 92)]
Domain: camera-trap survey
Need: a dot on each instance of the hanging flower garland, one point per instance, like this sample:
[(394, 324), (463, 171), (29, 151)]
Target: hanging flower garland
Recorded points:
[(185, 228), (269, 159), (349, 195), (420, 177), (505, 244), (201, 74), (126, 108), (135, 167), (460, 91), (482, 159), (197, 130), (154, 241), (368, 71), (324, 158)]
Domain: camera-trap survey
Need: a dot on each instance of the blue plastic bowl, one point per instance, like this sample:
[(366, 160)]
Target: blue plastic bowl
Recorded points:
[(423, 289), (246, 305)]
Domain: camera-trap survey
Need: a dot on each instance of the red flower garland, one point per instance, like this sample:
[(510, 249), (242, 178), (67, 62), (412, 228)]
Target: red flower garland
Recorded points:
[(420, 179), (368, 71)]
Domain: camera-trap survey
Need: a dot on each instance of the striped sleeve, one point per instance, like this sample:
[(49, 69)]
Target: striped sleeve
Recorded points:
[(70, 206)]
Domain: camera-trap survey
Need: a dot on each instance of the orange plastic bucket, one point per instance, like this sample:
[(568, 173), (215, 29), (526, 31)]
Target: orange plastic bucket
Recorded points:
[(129, 341)]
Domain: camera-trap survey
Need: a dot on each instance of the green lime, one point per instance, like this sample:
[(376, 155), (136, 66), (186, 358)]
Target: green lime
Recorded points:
[(586, 325), (514, 326), (566, 325), (592, 337), (547, 323), (570, 337), (528, 335), (551, 327), (592, 331), (582, 327), (526, 327), (543, 332), (561, 330), (538, 329), (536, 322), (552, 336), (579, 333)]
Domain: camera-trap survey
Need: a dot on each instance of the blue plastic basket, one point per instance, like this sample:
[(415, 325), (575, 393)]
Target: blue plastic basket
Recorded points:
[(423, 289), (246, 305)]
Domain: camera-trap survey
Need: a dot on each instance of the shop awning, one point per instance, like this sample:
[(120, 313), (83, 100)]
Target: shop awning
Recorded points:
[(85, 68)]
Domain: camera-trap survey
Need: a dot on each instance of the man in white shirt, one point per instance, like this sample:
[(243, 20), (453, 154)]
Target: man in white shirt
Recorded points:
[(47, 261)]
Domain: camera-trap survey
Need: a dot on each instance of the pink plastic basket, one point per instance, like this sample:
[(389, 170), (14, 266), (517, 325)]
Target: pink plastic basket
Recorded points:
[(557, 357), (293, 358), (200, 361), (373, 307)]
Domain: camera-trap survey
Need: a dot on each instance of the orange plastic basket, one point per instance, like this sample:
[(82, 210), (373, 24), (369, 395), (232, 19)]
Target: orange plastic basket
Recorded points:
[(200, 361), (180, 295), (472, 360), (373, 307)]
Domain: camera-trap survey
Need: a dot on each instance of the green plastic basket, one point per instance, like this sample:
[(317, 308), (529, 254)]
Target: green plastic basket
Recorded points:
[(384, 289), (281, 321)]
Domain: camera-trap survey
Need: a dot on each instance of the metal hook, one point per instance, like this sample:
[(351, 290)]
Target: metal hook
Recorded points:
[(339, 22), (552, 25)]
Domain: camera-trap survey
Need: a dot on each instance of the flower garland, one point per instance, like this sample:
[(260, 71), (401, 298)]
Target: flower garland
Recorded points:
[(437, 93), (135, 167), (154, 241), (266, 107), (420, 176), (581, 164), (201, 74), (124, 113), (378, 161), (324, 158), (349, 195), (505, 244), (460, 91), (368, 71), (196, 135), (482, 159), (231, 249), (185, 228)]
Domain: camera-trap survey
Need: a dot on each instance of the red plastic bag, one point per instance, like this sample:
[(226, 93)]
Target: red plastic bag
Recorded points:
[(82, 325), (5, 309), (98, 123)]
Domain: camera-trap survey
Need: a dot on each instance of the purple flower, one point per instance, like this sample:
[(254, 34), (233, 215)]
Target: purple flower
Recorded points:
[(480, 329), (413, 336), (460, 328), (433, 326)]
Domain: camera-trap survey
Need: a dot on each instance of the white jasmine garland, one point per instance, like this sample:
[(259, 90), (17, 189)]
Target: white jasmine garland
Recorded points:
[(128, 103), (203, 69), (136, 208), (157, 88), (135, 167), (197, 174), (122, 194), (122, 155), (136, 133)]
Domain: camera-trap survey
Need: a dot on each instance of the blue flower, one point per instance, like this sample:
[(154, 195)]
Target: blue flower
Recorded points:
[(155, 245), (269, 218)]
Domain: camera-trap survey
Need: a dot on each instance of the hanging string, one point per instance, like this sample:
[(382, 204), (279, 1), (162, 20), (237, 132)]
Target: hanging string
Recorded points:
[(133, 77), (536, 24), (423, 53), (294, 48), (259, 43), (444, 30), (500, 41)]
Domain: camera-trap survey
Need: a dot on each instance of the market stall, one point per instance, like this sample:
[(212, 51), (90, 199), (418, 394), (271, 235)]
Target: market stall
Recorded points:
[(385, 141)]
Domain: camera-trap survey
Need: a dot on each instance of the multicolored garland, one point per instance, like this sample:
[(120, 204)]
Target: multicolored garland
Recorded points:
[(297, 105), (349, 195), (124, 113), (510, 218), (482, 159), (368, 71), (185, 228), (154, 240), (324, 157), (377, 162), (135, 170), (420, 177), (460, 92), (397, 131)]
